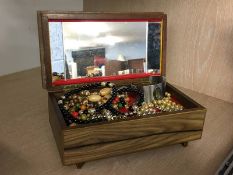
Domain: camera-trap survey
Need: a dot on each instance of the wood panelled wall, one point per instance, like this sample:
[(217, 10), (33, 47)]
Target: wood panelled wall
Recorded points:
[(200, 40)]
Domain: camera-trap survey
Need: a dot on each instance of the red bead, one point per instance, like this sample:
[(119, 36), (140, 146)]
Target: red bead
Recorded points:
[(123, 110), (127, 99), (116, 100), (74, 114), (130, 100), (157, 110)]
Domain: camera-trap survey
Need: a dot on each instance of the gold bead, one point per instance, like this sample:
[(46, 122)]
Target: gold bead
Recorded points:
[(176, 107), (168, 104), (79, 98), (83, 107), (150, 105), (139, 113), (104, 100), (167, 94), (86, 92), (167, 109), (107, 96), (71, 104), (66, 106), (145, 106), (142, 109), (83, 116), (180, 107), (155, 102), (162, 107), (164, 102), (85, 102), (105, 91)]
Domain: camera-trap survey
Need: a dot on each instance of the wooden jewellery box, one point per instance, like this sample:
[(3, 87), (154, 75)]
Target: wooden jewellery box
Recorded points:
[(121, 50)]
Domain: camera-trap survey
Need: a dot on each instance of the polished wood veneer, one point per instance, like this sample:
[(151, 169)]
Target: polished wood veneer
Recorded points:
[(88, 142)]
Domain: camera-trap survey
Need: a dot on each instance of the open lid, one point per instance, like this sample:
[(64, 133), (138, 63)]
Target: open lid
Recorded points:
[(86, 47)]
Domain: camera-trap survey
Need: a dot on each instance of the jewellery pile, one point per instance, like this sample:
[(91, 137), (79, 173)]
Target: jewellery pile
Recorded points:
[(104, 102), (165, 104), (126, 100)]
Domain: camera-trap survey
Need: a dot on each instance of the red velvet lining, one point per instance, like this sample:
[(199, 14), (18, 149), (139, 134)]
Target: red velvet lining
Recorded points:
[(100, 79), (106, 20)]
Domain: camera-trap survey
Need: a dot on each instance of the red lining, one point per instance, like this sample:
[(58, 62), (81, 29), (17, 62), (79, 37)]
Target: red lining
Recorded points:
[(100, 79), (107, 20)]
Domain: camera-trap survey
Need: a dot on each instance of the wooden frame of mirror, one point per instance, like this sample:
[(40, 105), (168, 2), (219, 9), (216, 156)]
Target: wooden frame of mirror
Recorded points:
[(45, 17)]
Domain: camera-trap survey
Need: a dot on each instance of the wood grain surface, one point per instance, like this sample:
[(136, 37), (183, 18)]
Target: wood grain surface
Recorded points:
[(186, 121), (123, 137), (199, 42), (190, 119), (43, 18), (27, 144), (103, 150), (56, 126)]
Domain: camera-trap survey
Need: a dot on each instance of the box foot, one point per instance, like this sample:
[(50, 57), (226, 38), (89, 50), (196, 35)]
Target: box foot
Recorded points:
[(80, 165), (185, 144)]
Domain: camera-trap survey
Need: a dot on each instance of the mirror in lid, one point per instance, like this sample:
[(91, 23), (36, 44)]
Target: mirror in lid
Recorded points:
[(104, 49)]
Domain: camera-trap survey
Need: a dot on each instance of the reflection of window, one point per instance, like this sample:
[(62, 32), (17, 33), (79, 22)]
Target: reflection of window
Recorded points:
[(56, 46), (153, 46)]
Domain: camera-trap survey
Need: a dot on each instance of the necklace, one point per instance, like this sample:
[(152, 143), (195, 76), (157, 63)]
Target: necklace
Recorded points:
[(105, 102), (82, 104)]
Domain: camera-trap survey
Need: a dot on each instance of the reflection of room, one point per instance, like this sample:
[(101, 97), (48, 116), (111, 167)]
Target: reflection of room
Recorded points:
[(98, 52), (109, 48)]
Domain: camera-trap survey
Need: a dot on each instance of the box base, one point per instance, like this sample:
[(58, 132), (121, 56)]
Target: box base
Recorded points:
[(101, 140), (98, 151)]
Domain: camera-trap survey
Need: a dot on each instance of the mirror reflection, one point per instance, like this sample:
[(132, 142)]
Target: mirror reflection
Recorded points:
[(92, 49)]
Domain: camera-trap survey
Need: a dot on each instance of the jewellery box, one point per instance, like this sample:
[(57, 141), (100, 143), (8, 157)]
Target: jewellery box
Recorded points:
[(105, 74)]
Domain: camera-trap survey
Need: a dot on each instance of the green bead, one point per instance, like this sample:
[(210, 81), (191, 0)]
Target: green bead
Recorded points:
[(120, 105), (77, 106)]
